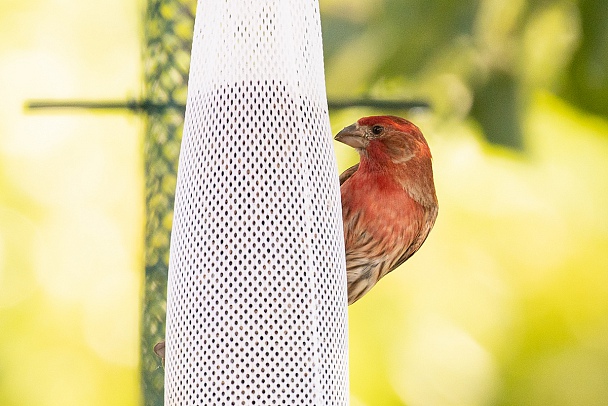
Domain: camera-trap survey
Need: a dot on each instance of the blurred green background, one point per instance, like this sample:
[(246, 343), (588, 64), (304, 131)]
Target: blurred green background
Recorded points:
[(505, 304)]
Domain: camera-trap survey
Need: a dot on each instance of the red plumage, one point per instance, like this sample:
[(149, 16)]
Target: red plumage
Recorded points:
[(389, 203)]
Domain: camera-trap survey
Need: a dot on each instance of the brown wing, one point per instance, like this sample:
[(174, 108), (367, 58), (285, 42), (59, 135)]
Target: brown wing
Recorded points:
[(348, 173), (428, 221)]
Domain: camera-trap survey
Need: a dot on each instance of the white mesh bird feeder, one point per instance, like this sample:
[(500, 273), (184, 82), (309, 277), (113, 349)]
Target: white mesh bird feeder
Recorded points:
[(256, 307)]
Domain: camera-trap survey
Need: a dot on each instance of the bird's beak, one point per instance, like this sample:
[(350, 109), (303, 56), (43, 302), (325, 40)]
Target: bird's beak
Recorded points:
[(354, 136)]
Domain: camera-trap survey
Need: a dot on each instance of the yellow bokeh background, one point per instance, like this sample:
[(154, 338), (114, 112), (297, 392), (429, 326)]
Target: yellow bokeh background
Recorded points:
[(71, 211), (505, 304), (508, 297)]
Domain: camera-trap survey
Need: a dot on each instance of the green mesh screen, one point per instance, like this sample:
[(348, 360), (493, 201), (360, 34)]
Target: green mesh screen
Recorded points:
[(168, 28)]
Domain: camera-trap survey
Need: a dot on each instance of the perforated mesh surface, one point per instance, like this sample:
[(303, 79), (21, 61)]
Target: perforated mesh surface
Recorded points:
[(256, 309)]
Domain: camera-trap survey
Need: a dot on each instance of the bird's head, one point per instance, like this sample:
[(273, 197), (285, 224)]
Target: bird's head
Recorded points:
[(385, 139)]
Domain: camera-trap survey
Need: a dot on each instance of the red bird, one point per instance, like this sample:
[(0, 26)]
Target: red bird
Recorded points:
[(389, 204)]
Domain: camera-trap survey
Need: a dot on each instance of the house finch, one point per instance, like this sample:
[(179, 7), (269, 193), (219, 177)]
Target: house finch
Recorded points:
[(388, 199)]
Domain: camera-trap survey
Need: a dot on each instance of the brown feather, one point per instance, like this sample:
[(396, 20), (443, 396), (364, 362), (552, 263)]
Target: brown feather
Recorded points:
[(348, 173)]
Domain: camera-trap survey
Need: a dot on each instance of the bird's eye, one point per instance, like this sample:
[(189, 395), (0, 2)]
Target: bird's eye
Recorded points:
[(377, 129)]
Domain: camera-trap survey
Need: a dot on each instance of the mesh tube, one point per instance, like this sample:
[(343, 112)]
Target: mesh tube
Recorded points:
[(256, 301)]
